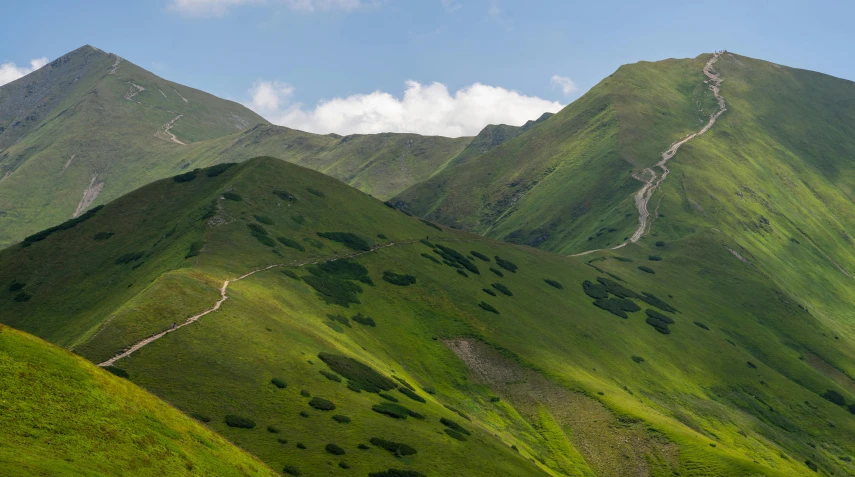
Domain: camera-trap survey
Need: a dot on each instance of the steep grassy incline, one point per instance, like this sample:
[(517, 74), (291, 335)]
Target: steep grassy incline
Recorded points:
[(64, 416), (354, 339)]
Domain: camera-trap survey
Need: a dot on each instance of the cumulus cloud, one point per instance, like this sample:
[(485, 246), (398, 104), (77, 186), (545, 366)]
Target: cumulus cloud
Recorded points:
[(428, 109), (566, 85), (10, 71), (218, 8)]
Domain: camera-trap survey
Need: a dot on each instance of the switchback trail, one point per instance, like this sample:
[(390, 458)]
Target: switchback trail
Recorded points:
[(223, 297), (648, 175)]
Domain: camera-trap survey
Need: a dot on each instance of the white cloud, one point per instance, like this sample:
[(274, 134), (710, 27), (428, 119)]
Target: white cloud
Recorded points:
[(567, 85), (218, 8), (10, 71), (424, 109)]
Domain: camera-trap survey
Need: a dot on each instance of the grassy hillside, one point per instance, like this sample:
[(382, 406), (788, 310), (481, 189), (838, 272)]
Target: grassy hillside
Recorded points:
[(717, 371), (64, 416)]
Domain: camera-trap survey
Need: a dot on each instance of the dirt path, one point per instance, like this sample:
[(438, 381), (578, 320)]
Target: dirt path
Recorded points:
[(163, 132), (649, 176), (115, 65), (223, 297), (135, 90), (90, 193)]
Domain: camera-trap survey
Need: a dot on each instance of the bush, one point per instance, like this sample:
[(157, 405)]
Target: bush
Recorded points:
[(186, 177), (117, 371), (284, 195), (497, 272), (363, 446), (488, 291), (16, 286), (68, 224), (458, 412), (257, 229), (596, 291), (304, 414), (397, 448), (330, 376), (659, 316), (851, 408), (553, 283), (343, 465), (652, 300), (291, 470), (340, 319), (334, 290), (322, 404), (396, 411), (431, 224), (646, 269), (291, 243), (412, 395), (623, 259), (638, 359), (388, 397), (129, 258), (502, 288), (240, 422), (263, 219), (455, 435), (751, 365), (399, 279), (341, 419), (363, 320), (698, 323), (290, 273), (811, 465), (455, 426), (506, 264), (455, 257), (358, 374), (195, 249), (273, 430), (479, 255), (315, 192), (232, 196), (396, 473), (660, 244), (658, 325), (431, 258), (298, 219), (617, 306), (405, 383), (22, 297), (655, 258), (200, 417), (313, 242), (264, 239), (426, 242), (348, 239), (382, 236), (486, 306), (214, 171), (462, 273), (100, 236), (334, 449), (617, 289), (279, 383), (834, 397)]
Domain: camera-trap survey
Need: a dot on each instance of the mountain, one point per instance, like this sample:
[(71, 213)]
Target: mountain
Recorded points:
[(328, 333), (64, 416)]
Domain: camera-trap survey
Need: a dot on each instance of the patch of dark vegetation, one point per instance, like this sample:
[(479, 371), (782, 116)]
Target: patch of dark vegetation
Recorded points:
[(623, 259), (290, 273), (426, 242), (660, 244), (751, 365), (396, 411), (263, 219), (186, 177), (698, 323), (455, 435), (659, 316), (479, 255), (315, 192), (349, 240), (200, 417), (638, 359), (284, 195), (834, 397), (486, 306), (330, 376), (233, 420), (342, 419), (22, 297), (597, 291), (462, 273), (334, 449), (273, 430), (279, 383), (405, 383), (454, 426), (305, 393), (502, 288), (382, 236), (214, 171), (810, 465), (363, 446), (617, 289), (16, 286), (431, 224), (343, 465), (68, 224), (363, 320), (129, 258), (411, 394), (489, 292), (457, 411), (553, 283), (232, 196), (358, 374), (101, 236), (195, 249), (335, 326), (617, 306), (655, 258), (396, 473), (333, 283), (304, 414), (431, 258), (652, 300), (117, 371), (429, 390), (506, 264), (497, 272), (340, 319), (646, 269), (397, 448), (453, 256), (298, 219), (292, 470), (264, 239), (313, 242), (388, 397), (658, 321), (257, 229), (399, 279)]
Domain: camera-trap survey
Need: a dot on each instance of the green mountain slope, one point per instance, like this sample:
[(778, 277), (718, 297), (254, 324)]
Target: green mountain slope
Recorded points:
[(717, 371), (63, 416)]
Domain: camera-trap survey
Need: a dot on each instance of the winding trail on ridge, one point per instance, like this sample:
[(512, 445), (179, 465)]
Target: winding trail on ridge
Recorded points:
[(648, 175), (223, 297)]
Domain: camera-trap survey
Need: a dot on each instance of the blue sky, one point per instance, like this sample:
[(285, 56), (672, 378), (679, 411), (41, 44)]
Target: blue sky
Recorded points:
[(308, 51)]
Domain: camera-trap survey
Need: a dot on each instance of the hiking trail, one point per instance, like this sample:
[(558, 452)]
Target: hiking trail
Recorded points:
[(648, 175)]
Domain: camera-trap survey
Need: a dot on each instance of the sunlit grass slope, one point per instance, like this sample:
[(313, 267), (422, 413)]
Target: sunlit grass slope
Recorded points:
[(63, 416)]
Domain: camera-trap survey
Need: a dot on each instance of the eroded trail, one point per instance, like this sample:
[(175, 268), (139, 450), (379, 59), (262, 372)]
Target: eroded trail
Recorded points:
[(164, 133), (651, 179), (223, 297)]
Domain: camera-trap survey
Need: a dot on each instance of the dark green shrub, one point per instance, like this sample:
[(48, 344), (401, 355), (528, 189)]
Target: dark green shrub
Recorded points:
[(702, 325), (494, 399), (652, 300), (811, 466), (363, 320), (313, 242), (363, 446), (426, 242), (553, 283), (334, 449), (186, 177), (257, 229), (284, 195), (388, 397), (273, 430), (506, 264), (834, 397), (396, 411), (298, 219), (200, 417), (100, 236), (612, 305), (334, 290), (304, 414), (291, 243), (399, 279), (646, 269), (291, 470), (264, 239), (322, 404), (454, 426), (617, 289), (340, 319), (214, 171), (458, 412), (335, 326), (382, 236), (412, 395), (658, 325), (655, 258), (659, 316), (660, 244), (462, 273), (751, 365), (396, 473), (117, 371), (232, 196), (240, 422), (638, 359), (315, 192), (455, 435), (341, 419), (431, 258), (195, 249), (330, 376), (431, 224), (348, 239), (343, 465), (488, 291), (502, 288), (623, 259), (16, 286), (397, 448), (455, 257), (300, 445), (290, 273), (497, 272), (597, 291), (68, 224), (851, 408), (360, 375), (479, 255), (429, 390), (209, 211), (486, 306), (404, 383), (129, 258), (279, 383), (22, 297), (263, 219)]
